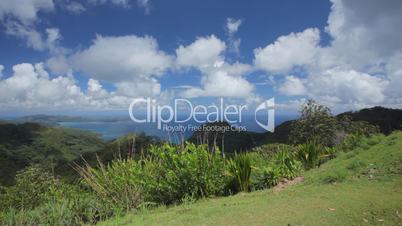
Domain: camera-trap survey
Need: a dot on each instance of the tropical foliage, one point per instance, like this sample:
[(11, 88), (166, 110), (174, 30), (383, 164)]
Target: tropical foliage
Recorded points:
[(315, 122), (239, 169)]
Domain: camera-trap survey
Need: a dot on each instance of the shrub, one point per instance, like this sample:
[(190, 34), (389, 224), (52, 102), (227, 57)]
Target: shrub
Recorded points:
[(351, 142), (239, 168), (172, 174), (309, 154), (116, 184), (288, 167), (265, 177), (38, 198), (269, 150), (51, 213), (32, 188)]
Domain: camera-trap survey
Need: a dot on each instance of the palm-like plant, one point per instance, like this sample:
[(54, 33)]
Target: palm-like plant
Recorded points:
[(287, 165), (309, 154), (240, 169)]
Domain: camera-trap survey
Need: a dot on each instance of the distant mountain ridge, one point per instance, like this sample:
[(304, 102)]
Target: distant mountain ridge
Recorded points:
[(387, 119), (56, 119)]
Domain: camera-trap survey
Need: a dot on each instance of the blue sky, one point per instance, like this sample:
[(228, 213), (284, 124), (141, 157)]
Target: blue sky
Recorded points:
[(97, 55)]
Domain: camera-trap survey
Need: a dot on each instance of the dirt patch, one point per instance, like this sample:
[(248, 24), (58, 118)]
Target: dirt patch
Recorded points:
[(285, 183)]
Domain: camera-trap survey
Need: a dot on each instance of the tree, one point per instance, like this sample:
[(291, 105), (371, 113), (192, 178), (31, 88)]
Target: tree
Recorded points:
[(315, 123)]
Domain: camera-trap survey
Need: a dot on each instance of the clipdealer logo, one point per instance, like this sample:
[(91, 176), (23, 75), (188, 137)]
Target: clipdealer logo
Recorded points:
[(165, 114)]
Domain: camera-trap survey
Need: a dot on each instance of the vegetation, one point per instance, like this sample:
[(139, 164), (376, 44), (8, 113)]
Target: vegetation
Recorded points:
[(166, 175), (240, 171), (140, 174), (215, 135), (39, 198), (315, 122), (387, 120), (333, 194), (309, 154), (22, 145)]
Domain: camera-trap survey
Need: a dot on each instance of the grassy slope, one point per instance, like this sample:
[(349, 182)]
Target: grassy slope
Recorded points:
[(368, 191), (30, 143)]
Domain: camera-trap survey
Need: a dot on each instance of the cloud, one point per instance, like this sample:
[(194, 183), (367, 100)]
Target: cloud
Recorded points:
[(139, 88), (122, 58), (364, 32), (74, 7), (347, 87), (26, 11), (232, 26), (1, 70), (394, 72), (219, 78), (58, 64), (145, 4), (292, 86), (361, 65), (203, 53), (33, 38), (288, 51), (19, 20), (223, 81), (30, 86), (122, 3)]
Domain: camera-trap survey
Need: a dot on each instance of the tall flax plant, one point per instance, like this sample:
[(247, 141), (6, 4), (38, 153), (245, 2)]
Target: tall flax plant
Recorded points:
[(240, 169), (287, 165), (309, 154), (115, 184)]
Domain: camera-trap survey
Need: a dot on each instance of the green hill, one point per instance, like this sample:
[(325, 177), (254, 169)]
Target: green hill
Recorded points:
[(386, 119), (361, 187), (25, 144)]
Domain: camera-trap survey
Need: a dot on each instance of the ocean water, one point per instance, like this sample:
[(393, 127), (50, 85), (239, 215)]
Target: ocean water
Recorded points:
[(112, 130)]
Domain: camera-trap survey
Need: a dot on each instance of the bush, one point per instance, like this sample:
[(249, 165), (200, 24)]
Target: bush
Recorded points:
[(116, 184), (269, 150), (288, 167), (266, 177), (38, 198), (51, 213), (351, 142), (167, 175), (309, 154), (267, 170), (32, 188), (239, 168), (171, 174)]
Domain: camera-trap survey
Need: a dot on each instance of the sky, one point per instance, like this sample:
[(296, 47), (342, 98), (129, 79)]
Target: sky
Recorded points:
[(98, 55)]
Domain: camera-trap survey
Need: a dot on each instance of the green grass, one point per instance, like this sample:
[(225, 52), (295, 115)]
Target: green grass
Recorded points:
[(363, 187)]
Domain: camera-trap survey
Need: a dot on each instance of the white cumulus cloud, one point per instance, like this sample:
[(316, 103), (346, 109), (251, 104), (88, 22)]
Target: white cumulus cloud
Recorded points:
[(292, 86), (202, 53), (288, 51), (359, 67), (122, 58)]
